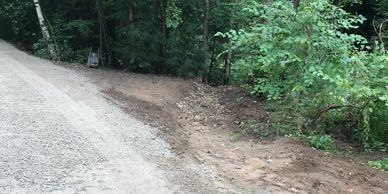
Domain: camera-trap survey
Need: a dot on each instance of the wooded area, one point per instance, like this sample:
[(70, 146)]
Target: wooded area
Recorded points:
[(325, 60)]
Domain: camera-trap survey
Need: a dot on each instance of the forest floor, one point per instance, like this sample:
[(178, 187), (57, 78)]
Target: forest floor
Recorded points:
[(198, 122)]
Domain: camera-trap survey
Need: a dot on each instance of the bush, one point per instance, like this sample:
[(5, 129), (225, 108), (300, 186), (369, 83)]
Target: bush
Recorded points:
[(41, 49), (379, 164), (321, 142), (307, 57)]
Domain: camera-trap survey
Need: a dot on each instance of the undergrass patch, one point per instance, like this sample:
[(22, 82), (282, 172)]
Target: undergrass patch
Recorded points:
[(251, 128), (317, 141), (321, 142), (379, 164)]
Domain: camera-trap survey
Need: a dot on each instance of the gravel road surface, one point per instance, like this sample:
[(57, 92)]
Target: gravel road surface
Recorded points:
[(60, 134)]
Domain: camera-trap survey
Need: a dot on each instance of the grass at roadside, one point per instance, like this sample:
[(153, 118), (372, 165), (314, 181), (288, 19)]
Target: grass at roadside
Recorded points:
[(379, 164)]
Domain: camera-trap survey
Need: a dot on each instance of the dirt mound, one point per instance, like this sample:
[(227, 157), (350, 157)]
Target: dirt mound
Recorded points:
[(199, 120), (153, 115)]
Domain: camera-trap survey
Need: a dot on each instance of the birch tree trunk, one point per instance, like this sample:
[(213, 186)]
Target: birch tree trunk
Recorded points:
[(45, 31)]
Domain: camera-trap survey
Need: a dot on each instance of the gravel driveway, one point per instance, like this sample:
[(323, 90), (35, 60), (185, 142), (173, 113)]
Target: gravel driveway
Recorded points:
[(59, 134)]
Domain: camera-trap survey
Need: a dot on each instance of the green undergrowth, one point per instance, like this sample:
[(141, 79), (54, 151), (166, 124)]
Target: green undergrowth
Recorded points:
[(281, 121), (333, 83), (319, 141), (251, 128), (379, 164)]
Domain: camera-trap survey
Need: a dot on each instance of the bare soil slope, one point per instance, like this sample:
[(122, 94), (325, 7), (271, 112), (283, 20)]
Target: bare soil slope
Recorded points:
[(198, 121)]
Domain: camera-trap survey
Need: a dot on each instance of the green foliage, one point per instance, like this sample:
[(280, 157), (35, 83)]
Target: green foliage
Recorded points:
[(174, 14), (79, 26), (321, 142), (295, 50), (317, 141), (379, 123), (307, 57), (370, 91), (41, 50), (22, 16), (6, 29), (131, 42), (382, 7), (379, 164), (348, 2)]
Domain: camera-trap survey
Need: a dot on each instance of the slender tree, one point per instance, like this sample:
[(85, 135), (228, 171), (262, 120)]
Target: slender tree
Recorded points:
[(296, 4), (130, 11), (105, 47), (228, 61), (205, 40), (45, 31), (163, 36)]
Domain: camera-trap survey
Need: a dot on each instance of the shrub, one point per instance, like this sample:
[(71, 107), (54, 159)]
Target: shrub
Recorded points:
[(379, 164), (308, 58), (321, 142)]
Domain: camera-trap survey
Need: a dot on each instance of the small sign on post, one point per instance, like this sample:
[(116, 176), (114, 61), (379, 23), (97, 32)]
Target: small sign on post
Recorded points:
[(92, 59)]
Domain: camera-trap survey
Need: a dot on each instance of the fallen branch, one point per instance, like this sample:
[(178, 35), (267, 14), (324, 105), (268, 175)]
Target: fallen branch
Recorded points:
[(328, 108), (379, 31)]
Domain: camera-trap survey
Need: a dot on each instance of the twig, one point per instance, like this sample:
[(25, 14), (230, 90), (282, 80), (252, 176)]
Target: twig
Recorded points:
[(379, 31)]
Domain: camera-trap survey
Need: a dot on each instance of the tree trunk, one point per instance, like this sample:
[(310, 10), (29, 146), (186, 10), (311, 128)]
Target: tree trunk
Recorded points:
[(130, 11), (132, 38), (45, 31), (112, 34), (296, 4), (205, 41), (100, 37), (105, 49), (228, 62), (212, 60), (163, 35), (53, 39)]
